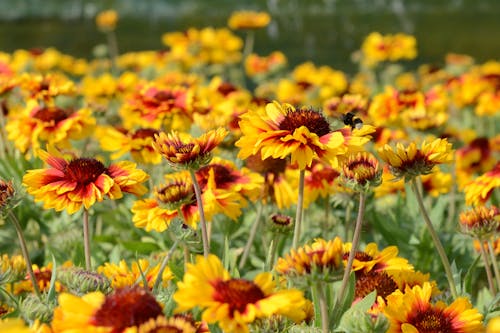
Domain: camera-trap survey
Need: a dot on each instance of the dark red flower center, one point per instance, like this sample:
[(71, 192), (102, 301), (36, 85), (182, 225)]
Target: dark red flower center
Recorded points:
[(143, 133), (267, 166), (360, 255), (164, 96), (430, 320), (126, 307), (281, 220), (223, 176), (84, 170), (51, 114), (226, 88), (370, 281), (313, 120), (237, 293)]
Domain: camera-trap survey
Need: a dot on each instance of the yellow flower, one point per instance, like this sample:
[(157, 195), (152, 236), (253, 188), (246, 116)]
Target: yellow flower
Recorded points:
[(244, 19), (408, 162), (371, 259), (99, 313), (479, 190), (361, 171), (185, 152), (234, 302), (106, 20), (259, 66), (322, 259), (493, 325), (13, 325), (377, 48), (480, 222), (69, 185), (122, 276), (413, 312), (282, 131)]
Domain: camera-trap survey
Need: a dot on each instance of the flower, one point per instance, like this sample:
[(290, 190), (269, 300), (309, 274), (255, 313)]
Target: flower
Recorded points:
[(377, 48), (12, 268), (7, 193), (137, 142), (99, 313), (185, 152), (37, 124), (234, 302), (281, 131), (479, 190), (245, 19), (409, 162), (322, 259), (412, 311), (493, 325), (69, 185), (259, 66), (13, 325), (177, 324), (480, 222), (121, 275), (361, 171), (106, 20)]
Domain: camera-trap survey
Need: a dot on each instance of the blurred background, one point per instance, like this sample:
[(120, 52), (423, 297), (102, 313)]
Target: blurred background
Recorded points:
[(326, 32)]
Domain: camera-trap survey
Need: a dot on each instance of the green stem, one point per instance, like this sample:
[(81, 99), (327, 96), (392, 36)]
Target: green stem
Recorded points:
[(494, 262), (249, 41), (272, 252), (164, 263), (323, 306), (251, 237), (435, 239), (24, 250), (203, 222), (86, 240), (113, 50), (487, 267), (354, 247), (298, 214)]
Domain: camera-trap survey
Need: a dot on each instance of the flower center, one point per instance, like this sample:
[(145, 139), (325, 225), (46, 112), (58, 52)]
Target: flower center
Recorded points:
[(184, 148), (237, 293), (431, 321), (84, 170), (222, 175), (126, 307), (360, 255), (370, 281), (143, 133), (267, 166), (175, 194), (313, 120), (51, 114), (226, 88), (164, 96)]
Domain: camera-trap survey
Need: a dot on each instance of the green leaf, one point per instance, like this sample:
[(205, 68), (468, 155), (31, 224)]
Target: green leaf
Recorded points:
[(140, 247)]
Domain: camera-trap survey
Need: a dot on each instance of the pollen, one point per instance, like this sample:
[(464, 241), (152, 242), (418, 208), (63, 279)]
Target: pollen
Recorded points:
[(84, 170), (431, 320), (313, 120), (237, 293)]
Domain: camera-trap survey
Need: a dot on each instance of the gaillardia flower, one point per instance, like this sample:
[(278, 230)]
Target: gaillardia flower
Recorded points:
[(106, 20), (99, 313), (248, 20), (280, 131), (185, 152), (234, 303), (412, 312), (480, 222), (361, 171), (409, 162), (81, 181), (479, 190)]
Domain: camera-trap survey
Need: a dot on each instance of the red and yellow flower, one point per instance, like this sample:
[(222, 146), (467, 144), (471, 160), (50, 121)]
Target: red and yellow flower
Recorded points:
[(234, 302), (246, 19), (70, 184)]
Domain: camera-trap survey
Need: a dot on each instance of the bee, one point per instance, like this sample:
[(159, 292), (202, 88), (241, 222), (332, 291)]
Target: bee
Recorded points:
[(352, 120)]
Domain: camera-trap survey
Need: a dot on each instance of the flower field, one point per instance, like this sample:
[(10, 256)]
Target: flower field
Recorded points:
[(207, 188)]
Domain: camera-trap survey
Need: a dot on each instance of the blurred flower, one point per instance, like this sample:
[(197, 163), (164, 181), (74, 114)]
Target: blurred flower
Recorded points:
[(46, 87), (246, 19), (184, 152), (412, 311), (13, 325), (7, 194), (80, 282), (478, 191), (320, 180), (488, 104), (481, 222), (234, 303), (409, 162), (378, 48), (43, 275), (12, 268), (259, 67), (280, 224), (493, 325), (437, 183), (69, 185), (320, 261), (137, 142), (281, 131), (121, 275), (208, 46), (95, 312), (38, 124), (475, 157), (106, 20)]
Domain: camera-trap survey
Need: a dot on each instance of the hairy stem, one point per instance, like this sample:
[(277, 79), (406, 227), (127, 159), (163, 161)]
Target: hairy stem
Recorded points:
[(300, 207), (203, 222)]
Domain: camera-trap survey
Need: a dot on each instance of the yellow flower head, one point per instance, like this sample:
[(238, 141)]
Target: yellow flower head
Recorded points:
[(413, 311), (185, 152), (242, 20), (69, 185), (281, 131), (409, 162), (479, 190), (480, 222), (234, 303), (106, 20), (361, 171), (320, 260), (13, 325), (378, 48)]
